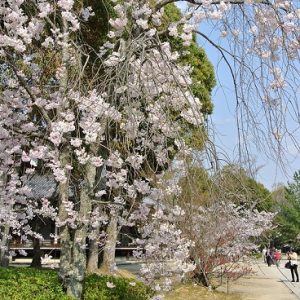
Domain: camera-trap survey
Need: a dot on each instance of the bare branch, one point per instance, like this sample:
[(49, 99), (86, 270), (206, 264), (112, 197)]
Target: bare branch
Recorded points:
[(197, 2)]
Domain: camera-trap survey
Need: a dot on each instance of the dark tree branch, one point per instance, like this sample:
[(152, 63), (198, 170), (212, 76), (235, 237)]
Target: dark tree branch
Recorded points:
[(165, 2), (222, 50), (27, 89)]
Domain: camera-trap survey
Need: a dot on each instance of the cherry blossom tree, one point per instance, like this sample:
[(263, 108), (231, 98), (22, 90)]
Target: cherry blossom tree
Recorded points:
[(222, 234), (115, 126), (207, 240), (114, 114)]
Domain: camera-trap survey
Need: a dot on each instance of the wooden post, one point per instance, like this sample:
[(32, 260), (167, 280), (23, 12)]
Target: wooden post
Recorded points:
[(227, 284)]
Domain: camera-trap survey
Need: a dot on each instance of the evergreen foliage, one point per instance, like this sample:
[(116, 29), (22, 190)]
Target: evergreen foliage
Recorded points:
[(203, 75), (234, 184), (288, 217)]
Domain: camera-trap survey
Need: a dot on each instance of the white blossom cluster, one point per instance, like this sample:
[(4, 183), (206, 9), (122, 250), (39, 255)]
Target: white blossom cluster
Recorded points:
[(162, 248), (105, 135)]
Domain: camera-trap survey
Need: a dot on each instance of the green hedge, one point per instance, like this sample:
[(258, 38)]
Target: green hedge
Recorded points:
[(43, 284), (125, 289), (28, 283)]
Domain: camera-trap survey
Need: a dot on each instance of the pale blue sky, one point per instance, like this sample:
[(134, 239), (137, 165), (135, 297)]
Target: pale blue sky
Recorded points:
[(226, 138), (269, 171)]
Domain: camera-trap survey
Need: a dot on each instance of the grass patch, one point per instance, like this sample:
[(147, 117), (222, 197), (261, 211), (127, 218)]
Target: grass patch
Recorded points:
[(43, 284), (125, 289)]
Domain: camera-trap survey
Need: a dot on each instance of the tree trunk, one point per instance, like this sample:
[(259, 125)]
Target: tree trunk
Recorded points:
[(63, 188), (64, 232), (37, 254), (75, 283), (4, 253), (108, 264), (201, 275), (36, 260), (93, 257), (4, 230)]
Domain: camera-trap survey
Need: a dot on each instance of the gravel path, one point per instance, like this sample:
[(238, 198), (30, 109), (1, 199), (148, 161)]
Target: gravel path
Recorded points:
[(268, 283)]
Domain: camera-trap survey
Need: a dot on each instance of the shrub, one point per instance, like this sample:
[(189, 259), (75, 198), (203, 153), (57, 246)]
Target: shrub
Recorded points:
[(43, 284), (28, 283)]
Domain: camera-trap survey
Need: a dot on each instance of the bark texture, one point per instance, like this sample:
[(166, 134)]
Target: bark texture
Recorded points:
[(73, 254), (108, 264), (4, 253), (37, 254), (4, 230), (93, 258), (79, 262), (65, 235)]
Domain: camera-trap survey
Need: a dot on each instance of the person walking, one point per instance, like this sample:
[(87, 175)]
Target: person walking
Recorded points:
[(293, 257), (277, 257), (269, 258), (264, 252)]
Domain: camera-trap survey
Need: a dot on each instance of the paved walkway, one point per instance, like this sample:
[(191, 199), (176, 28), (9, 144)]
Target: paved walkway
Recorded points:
[(268, 283)]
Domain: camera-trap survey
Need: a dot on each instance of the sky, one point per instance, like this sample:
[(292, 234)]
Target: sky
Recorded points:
[(269, 171)]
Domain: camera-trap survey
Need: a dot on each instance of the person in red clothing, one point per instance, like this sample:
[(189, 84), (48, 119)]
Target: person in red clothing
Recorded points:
[(277, 257)]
